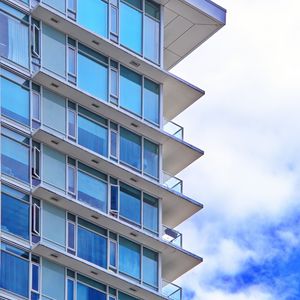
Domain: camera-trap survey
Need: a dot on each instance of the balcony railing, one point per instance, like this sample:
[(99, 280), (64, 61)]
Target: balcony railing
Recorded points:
[(173, 183), (174, 129), (172, 236), (171, 291)]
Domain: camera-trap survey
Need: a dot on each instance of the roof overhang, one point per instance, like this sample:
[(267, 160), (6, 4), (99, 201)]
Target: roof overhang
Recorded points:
[(178, 94), (173, 148), (176, 207), (91, 270), (188, 24), (175, 260)]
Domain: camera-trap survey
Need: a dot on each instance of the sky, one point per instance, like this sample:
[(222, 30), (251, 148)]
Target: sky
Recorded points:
[(248, 180)]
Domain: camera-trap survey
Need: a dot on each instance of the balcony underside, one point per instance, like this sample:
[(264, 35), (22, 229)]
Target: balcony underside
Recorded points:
[(178, 94), (92, 271), (175, 260), (187, 25), (173, 148), (176, 207)]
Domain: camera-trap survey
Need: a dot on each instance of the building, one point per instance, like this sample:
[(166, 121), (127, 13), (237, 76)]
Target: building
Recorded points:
[(89, 153)]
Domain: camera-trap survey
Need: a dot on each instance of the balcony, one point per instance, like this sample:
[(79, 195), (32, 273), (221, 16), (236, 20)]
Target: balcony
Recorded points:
[(174, 129), (173, 183), (171, 291), (172, 236)]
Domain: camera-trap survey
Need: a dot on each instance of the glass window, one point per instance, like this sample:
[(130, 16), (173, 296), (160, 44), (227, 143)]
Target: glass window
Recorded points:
[(71, 179), (131, 91), (71, 235), (114, 20), (36, 107), (56, 4), (71, 123), (152, 9), (92, 136), (54, 41), (151, 156), (131, 32), (92, 191), (15, 213), (113, 144), (14, 40), (92, 77), (114, 198), (70, 289), (35, 277), (92, 247), (71, 61), (150, 213), (14, 101), (151, 39), (14, 271), (151, 101), (150, 267), (130, 258), (122, 296), (113, 254), (92, 14), (130, 148), (130, 203), (85, 292), (15, 155)]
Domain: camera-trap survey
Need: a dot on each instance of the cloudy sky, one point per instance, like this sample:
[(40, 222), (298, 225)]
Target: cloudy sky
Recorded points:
[(248, 124)]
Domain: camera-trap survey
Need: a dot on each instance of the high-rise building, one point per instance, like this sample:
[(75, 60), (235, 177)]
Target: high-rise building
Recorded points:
[(89, 153)]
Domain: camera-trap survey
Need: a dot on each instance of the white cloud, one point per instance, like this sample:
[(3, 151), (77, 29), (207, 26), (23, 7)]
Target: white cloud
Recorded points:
[(248, 125)]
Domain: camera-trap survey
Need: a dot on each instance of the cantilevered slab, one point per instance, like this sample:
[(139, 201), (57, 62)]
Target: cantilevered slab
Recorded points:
[(93, 271), (189, 23), (175, 260), (178, 94), (173, 148), (176, 207)]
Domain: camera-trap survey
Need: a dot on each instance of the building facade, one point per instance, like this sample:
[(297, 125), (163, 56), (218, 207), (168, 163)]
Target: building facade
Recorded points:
[(89, 152)]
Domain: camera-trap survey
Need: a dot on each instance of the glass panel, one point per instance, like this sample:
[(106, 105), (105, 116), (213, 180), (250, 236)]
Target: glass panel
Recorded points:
[(14, 101), (54, 225), (151, 156), (54, 111), (36, 106), (130, 203), (14, 273), (92, 14), (87, 293), (14, 159), (131, 32), (71, 123), (53, 275), (14, 216), (70, 289), (35, 277), (136, 3), (151, 101), (54, 41), (114, 197), (71, 179), (130, 258), (92, 283), (71, 61), (14, 40), (54, 168), (152, 9), (122, 296), (151, 39), (130, 148), (113, 143), (113, 254), (131, 91), (56, 4), (150, 213), (92, 247), (150, 267), (92, 77), (114, 82), (92, 136), (71, 235), (113, 19), (92, 191)]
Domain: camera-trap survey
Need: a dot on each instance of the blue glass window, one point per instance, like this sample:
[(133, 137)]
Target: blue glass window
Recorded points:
[(151, 39), (14, 38), (15, 155), (92, 136), (130, 203), (151, 101), (122, 296), (92, 247), (150, 267), (130, 258), (87, 293), (92, 14), (15, 212), (150, 213), (70, 289), (130, 148), (92, 191), (131, 32), (113, 254), (151, 155), (14, 101), (35, 277), (14, 270), (92, 76), (131, 90)]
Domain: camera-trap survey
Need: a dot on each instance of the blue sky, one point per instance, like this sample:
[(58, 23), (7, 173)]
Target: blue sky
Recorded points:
[(248, 125)]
